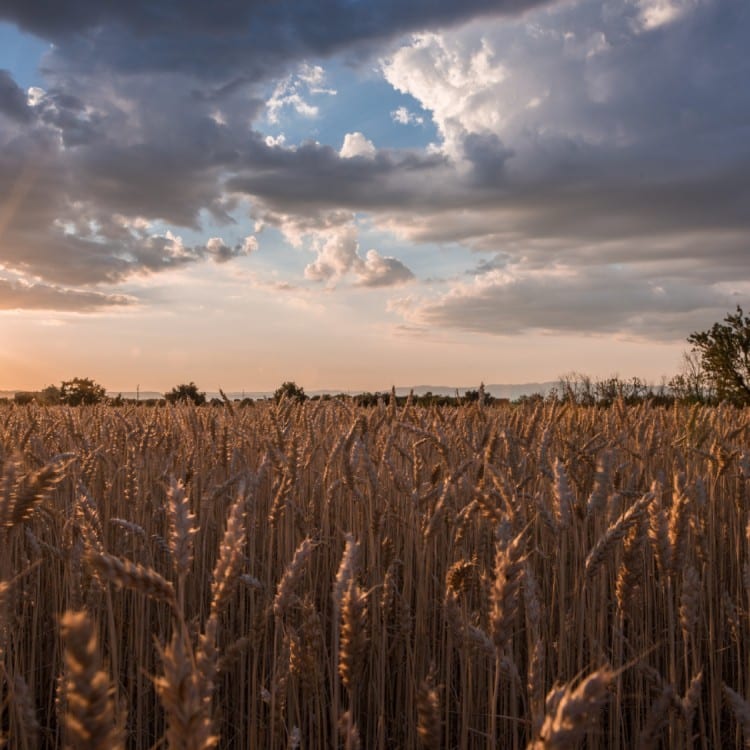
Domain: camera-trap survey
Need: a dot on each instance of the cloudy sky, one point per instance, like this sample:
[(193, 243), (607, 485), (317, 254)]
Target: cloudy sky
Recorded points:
[(353, 194)]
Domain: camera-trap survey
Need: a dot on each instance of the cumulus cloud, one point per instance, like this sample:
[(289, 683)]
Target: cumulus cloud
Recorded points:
[(403, 116), (173, 252), (292, 90), (454, 79), (314, 77), (220, 252), (249, 245), (376, 270), (355, 144), (337, 254)]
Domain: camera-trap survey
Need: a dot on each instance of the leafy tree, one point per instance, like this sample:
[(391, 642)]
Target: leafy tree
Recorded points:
[(186, 392), (724, 352), (289, 390), (81, 391)]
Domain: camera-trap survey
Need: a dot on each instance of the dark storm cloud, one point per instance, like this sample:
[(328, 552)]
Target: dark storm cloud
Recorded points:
[(13, 99), (314, 176), (67, 114), (230, 38), (487, 156)]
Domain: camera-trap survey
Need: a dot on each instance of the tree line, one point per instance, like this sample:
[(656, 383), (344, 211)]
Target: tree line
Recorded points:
[(716, 369)]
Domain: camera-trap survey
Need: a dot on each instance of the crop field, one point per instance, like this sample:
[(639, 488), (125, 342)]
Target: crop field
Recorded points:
[(321, 575)]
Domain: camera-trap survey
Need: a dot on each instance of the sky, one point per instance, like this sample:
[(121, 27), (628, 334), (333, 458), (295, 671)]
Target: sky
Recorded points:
[(354, 194)]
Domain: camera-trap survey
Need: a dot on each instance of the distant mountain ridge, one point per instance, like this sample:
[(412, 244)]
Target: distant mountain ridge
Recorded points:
[(498, 390)]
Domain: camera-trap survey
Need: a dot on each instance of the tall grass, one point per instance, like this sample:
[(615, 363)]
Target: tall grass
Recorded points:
[(320, 576)]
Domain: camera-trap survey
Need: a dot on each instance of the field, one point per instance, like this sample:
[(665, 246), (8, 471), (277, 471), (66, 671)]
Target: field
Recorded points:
[(320, 575)]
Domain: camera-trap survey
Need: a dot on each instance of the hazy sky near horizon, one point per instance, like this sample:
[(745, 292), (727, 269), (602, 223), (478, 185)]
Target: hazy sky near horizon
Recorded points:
[(355, 194)]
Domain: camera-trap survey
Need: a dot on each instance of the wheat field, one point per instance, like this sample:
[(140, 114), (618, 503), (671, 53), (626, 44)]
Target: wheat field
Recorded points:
[(322, 575)]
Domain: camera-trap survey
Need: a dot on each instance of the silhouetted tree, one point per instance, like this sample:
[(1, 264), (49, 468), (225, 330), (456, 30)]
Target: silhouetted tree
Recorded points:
[(724, 352), (478, 396), (81, 391), (186, 392), (691, 384), (289, 390)]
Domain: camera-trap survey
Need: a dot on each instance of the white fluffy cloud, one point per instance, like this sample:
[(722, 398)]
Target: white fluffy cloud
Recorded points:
[(376, 270), (336, 251), (293, 92), (582, 72), (338, 254), (355, 144), (457, 77), (403, 116), (249, 244)]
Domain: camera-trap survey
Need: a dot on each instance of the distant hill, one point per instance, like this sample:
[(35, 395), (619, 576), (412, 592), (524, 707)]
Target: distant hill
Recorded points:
[(498, 390)]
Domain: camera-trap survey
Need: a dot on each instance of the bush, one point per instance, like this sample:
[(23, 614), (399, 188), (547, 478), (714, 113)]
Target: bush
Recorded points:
[(289, 391), (186, 392), (81, 391)]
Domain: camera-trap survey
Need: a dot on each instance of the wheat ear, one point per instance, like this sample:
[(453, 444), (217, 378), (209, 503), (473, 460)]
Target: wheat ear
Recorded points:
[(186, 705), (129, 575), (572, 712), (741, 711), (429, 724), (90, 721), (285, 592), (353, 638)]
